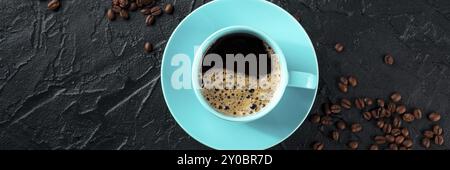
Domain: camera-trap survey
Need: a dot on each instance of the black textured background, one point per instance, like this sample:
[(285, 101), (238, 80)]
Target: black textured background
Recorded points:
[(73, 80)]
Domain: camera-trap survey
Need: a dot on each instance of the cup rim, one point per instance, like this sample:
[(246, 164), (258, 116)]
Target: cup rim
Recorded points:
[(198, 55)]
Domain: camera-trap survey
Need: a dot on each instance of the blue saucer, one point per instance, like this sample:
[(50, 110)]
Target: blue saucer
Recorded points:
[(284, 119)]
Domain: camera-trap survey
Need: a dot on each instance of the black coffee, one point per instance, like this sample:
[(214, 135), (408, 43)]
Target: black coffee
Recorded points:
[(240, 98)]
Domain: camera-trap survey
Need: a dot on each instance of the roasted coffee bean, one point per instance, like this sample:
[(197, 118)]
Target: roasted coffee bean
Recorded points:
[(417, 113), (380, 124), (393, 146), (428, 134), (318, 146), (401, 109), (345, 103), (380, 140), (342, 87), (368, 101), (407, 143), (146, 11), (326, 108), (434, 116), (359, 103), (335, 108), (380, 102), (124, 14), (397, 122), (356, 127), (335, 135), (387, 128), (390, 138), (353, 81), (141, 3), (53, 5), (343, 80), (133, 7), (396, 97), (383, 112), (408, 117), (375, 114), (395, 132), (149, 20), (426, 142), (339, 47), (391, 107), (367, 115), (315, 118), (110, 14), (388, 59), (156, 11), (405, 132), (148, 47), (341, 125), (168, 9), (123, 3), (439, 140), (374, 147), (399, 140), (326, 120), (437, 130), (353, 145)]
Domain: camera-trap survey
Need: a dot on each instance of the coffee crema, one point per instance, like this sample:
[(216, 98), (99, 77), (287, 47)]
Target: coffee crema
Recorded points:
[(240, 93)]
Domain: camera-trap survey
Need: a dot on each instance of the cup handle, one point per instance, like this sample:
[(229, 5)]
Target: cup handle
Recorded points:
[(302, 80)]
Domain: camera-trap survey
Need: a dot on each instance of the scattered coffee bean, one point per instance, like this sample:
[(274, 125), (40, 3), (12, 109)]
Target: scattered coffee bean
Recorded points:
[(168, 9), (437, 130), (380, 124), (390, 138), (110, 14), (356, 127), (149, 20), (53, 5), (353, 81), (339, 47), (156, 11), (380, 140), (401, 109), (387, 128), (381, 112), (426, 142), (397, 122), (335, 108), (359, 103), (405, 132), (368, 101), (396, 97), (326, 120), (326, 108), (341, 125), (393, 146), (417, 113), (408, 143), (439, 140), (148, 47), (345, 103), (318, 146), (391, 107), (123, 3), (342, 87), (380, 102), (353, 145), (388, 59), (146, 11), (335, 135), (315, 118), (408, 117), (375, 114), (399, 140), (434, 116), (374, 147), (367, 116), (428, 134), (395, 132), (343, 80)]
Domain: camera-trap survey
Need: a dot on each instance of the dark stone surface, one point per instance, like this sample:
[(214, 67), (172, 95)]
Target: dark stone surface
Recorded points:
[(73, 80)]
